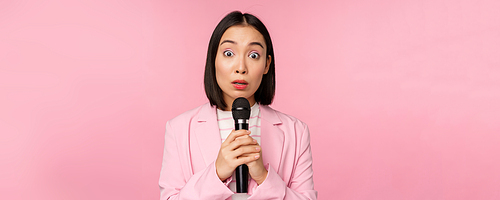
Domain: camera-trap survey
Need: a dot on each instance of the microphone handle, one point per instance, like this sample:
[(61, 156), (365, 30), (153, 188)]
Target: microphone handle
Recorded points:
[(242, 179), (242, 170)]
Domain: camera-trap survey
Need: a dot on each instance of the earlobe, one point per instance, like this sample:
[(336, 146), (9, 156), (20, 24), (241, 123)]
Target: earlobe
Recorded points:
[(268, 63)]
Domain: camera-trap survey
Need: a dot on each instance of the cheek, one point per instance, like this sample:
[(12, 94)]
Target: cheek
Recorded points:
[(261, 68), (218, 76), (221, 72), (220, 63), (259, 73)]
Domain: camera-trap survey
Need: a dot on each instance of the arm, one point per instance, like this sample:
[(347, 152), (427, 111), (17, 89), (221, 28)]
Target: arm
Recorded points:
[(301, 184), (173, 183)]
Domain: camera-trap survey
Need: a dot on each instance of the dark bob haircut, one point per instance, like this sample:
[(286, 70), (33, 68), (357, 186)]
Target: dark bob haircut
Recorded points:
[(265, 93)]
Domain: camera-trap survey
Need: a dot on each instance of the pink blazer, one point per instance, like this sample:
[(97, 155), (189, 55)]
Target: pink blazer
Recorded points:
[(192, 142)]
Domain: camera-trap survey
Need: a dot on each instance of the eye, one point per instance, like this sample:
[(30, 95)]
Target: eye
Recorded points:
[(228, 53), (254, 55)]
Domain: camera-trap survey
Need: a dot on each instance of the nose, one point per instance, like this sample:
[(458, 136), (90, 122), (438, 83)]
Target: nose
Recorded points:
[(241, 67), (241, 71)]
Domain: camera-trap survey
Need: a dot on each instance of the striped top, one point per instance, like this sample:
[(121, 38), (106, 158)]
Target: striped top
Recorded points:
[(226, 125)]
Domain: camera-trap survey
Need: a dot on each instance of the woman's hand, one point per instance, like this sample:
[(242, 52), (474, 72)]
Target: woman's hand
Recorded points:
[(257, 170), (239, 148)]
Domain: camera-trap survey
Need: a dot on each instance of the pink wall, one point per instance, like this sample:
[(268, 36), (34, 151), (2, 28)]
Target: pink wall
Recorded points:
[(401, 96)]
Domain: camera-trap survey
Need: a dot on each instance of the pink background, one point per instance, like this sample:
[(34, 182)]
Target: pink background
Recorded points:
[(401, 97)]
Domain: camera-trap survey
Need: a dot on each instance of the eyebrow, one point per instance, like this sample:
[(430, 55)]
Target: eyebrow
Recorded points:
[(233, 42)]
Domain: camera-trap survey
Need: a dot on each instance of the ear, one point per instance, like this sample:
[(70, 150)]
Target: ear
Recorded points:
[(268, 63)]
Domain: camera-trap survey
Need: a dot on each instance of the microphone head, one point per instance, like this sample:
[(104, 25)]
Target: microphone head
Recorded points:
[(241, 108)]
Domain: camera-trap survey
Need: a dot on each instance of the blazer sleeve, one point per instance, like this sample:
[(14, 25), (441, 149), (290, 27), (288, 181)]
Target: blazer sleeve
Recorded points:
[(301, 186), (174, 184)]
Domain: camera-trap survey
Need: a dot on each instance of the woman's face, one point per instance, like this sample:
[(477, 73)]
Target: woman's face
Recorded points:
[(240, 63)]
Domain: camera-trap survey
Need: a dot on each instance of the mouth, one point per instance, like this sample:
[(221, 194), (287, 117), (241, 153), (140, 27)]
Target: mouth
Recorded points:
[(239, 82)]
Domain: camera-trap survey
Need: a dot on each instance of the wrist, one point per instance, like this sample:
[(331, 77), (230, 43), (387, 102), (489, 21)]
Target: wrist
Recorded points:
[(261, 179), (222, 177)]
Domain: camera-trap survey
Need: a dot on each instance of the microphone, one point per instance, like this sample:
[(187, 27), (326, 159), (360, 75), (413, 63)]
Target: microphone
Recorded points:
[(241, 115)]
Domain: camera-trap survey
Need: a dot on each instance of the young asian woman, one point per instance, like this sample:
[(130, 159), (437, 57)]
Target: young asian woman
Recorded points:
[(201, 153)]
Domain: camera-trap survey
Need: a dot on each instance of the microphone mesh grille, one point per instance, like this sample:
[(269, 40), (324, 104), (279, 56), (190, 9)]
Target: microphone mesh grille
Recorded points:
[(241, 108)]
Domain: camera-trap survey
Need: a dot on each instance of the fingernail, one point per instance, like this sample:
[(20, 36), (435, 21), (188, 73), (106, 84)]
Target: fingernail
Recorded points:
[(254, 141), (257, 156), (257, 148)]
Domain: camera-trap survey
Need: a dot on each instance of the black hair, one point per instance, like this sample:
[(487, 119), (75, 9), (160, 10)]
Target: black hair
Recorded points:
[(265, 93)]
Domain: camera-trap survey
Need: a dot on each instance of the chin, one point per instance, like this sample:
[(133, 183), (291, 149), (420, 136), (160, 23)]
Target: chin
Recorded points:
[(243, 94), (238, 94)]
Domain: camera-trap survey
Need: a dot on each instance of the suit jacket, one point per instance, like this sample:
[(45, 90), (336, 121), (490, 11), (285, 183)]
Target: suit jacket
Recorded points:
[(192, 143)]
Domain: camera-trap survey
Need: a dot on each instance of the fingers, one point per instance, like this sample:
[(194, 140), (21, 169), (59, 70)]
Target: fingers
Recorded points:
[(244, 154), (235, 134), (247, 158), (241, 156), (239, 148), (249, 149)]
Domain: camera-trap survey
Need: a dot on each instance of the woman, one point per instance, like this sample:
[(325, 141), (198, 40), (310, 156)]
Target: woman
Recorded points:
[(201, 148)]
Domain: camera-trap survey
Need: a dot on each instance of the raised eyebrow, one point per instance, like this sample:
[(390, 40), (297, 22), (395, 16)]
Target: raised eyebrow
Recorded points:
[(233, 42), (257, 43), (227, 41)]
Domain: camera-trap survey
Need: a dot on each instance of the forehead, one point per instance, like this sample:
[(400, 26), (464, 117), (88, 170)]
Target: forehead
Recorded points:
[(243, 35)]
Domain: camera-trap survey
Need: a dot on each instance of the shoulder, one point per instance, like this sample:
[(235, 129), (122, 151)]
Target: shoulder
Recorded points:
[(190, 115), (296, 132), (278, 117)]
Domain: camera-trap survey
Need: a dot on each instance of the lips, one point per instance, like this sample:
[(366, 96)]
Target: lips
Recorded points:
[(239, 84)]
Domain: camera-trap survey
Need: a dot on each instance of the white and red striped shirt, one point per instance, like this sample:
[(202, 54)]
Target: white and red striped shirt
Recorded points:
[(226, 123)]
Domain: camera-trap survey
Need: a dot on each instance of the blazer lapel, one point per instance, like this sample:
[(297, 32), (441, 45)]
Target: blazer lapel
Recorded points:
[(272, 137), (207, 133)]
